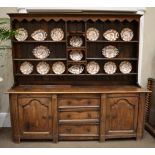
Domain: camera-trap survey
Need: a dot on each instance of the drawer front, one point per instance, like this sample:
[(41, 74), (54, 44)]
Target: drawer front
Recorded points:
[(66, 115), (79, 129), (79, 102)]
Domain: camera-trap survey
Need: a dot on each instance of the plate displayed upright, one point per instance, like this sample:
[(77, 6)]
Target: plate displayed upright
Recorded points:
[(41, 52), (57, 34), (39, 35), (92, 34), (110, 67), (58, 67), (76, 69), (76, 41), (43, 68), (111, 35), (125, 67), (92, 67), (110, 51), (127, 34), (21, 35), (76, 55), (26, 68)]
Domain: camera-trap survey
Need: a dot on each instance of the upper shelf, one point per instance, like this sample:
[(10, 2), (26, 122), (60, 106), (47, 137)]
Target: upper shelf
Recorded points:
[(119, 41), (34, 41)]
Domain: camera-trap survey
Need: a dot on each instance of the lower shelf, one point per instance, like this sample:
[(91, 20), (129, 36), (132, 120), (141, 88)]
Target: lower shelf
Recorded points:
[(102, 74)]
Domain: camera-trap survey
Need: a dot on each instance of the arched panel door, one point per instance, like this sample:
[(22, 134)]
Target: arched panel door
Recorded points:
[(121, 115), (35, 116)]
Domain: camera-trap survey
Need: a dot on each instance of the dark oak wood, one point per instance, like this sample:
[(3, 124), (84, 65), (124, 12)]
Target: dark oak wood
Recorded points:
[(76, 24), (140, 127), (55, 118), (76, 91), (35, 117), (14, 118), (103, 117), (79, 115), (150, 107), (121, 115), (76, 107)]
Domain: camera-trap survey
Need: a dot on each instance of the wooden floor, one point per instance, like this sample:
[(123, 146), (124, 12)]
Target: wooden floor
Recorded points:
[(5, 141)]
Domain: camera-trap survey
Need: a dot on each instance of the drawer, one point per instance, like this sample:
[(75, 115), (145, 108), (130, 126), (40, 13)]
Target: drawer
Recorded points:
[(79, 129), (66, 115), (78, 102)]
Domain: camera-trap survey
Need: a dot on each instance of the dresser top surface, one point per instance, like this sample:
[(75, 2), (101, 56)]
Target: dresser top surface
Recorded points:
[(66, 89)]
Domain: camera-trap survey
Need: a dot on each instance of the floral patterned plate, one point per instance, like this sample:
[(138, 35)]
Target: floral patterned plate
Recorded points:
[(110, 51), (110, 67), (41, 52), (39, 35), (92, 34), (111, 35), (57, 34), (21, 35)]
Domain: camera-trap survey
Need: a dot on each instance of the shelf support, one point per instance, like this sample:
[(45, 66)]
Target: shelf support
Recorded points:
[(102, 117)]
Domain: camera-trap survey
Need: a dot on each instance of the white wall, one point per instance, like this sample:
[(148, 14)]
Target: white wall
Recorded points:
[(148, 54)]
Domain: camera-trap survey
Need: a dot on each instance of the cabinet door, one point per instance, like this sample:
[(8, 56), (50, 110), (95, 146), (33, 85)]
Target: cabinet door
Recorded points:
[(35, 118), (121, 116)]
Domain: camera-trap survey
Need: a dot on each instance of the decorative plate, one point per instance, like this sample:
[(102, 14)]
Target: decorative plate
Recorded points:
[(110, 67), (76, 55), (125, 67), (21, 35), (41, 52), (76, 41), (39, 35), (76, 69), (111, 35), (92, 34), (57, 34), (110, 51), (127, 34), (93, 67), (26, 68), (43, 68), (58, 67)]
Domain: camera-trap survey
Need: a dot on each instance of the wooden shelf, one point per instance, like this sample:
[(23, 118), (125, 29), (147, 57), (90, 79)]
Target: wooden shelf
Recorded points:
[(100, 74), (47, 59), (44, 41), (128, 51), (118, 59), (75, 62), (117, 41), (76, 48)]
